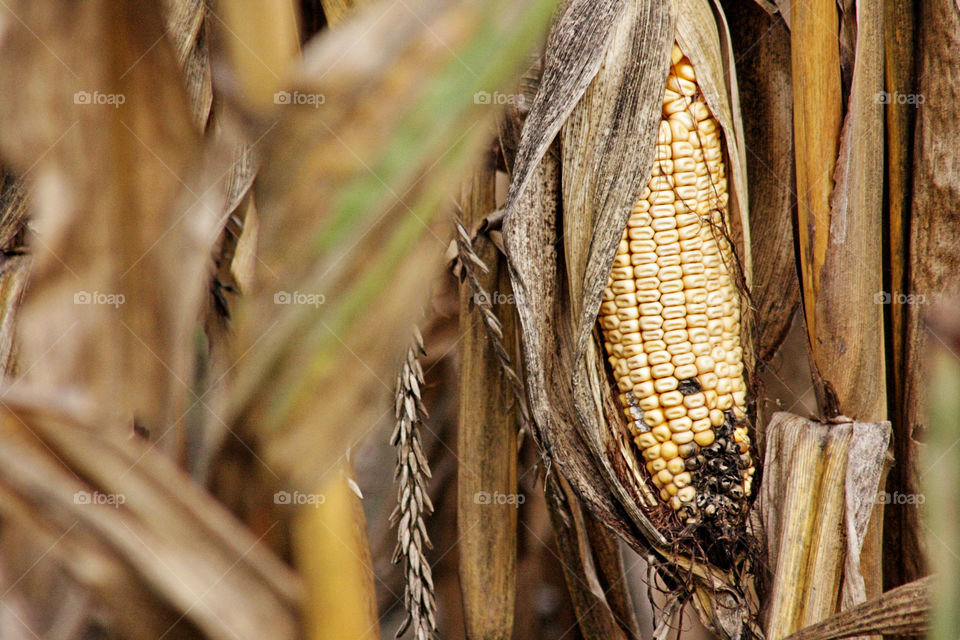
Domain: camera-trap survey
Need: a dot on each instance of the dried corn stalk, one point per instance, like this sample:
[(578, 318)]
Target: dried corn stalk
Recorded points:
[(600, 101)]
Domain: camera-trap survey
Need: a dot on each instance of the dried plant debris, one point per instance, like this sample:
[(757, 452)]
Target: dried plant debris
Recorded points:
[(413, 500)]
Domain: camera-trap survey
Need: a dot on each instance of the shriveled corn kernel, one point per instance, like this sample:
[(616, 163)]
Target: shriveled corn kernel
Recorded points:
[(661, 433), (645, 440)]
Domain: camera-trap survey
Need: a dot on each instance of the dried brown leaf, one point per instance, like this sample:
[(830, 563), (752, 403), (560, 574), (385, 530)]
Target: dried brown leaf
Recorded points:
[(66, 458), (904, 611), (369, 234), (121, 205), (763, 44)]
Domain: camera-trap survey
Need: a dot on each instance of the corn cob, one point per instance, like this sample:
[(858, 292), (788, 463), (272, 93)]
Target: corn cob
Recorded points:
[(670, 318)]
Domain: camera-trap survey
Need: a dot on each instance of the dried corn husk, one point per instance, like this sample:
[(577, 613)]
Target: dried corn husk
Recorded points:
[(599, 104)]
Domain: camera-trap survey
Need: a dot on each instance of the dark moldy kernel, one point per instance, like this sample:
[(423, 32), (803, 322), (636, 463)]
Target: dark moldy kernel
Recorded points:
[(715, 519), (688, 386), (719, 485)]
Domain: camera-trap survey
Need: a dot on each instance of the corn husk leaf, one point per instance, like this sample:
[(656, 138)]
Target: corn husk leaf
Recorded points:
[(572, 57), (612, 573), (767, 105), (615, 171), (595, 613), (553, 334), (904, 610)]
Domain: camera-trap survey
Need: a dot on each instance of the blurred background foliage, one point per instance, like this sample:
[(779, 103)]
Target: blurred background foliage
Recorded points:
[(219, 223)]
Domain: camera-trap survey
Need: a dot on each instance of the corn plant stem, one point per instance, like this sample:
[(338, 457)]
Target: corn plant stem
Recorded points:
[(825, 569), (333, 555), (786, 597), (486, 436)]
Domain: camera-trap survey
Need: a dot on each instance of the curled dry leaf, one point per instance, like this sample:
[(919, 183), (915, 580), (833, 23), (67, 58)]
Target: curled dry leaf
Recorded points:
[(902, 611), (65, 465)]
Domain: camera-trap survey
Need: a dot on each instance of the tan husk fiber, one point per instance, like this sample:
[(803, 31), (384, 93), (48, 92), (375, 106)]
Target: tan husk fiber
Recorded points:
[(559, 261), (820, 483)]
